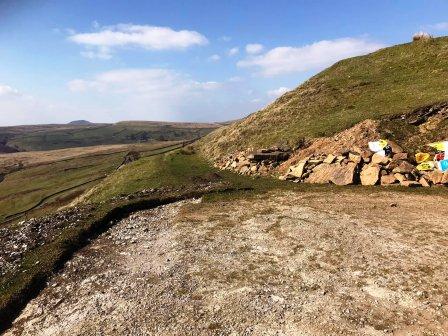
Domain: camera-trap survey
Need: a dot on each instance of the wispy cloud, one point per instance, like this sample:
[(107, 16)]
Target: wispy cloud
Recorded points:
[(441, 26), (6, 90), (254, 48), (233, 51), (102, 43), (285, 60), (214, 58)]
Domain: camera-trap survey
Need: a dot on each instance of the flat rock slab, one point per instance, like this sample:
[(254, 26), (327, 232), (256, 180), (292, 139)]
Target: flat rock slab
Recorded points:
[(333, 173)]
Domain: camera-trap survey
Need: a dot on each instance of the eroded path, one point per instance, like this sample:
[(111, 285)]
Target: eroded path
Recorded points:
[(280, 264)]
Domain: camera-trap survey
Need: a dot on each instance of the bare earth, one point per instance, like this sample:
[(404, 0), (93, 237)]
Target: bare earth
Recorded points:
[(280, 264)]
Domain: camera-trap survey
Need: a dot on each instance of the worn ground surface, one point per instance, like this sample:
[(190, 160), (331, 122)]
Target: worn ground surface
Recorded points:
[(280, 264)]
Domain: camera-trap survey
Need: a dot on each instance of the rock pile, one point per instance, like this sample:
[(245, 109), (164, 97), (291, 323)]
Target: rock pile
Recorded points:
[(363, 167), (251, 162)]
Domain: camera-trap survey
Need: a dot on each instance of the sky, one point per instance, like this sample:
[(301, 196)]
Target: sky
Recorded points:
[(107, 61)]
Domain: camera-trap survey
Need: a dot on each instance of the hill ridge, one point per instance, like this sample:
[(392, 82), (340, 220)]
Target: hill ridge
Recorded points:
[(389, 82)]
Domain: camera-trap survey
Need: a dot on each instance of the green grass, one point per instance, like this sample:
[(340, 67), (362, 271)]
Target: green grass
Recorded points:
[(389, 82), (104, 134), (169, 170), (25, 188)]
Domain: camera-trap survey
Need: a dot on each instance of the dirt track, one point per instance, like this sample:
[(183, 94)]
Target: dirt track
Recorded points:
[(281, 264)]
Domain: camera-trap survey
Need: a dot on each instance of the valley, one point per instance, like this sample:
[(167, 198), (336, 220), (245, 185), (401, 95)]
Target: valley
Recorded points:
[(285, 222)]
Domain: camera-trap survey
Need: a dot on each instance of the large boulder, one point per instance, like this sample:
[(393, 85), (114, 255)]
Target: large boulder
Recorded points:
[(370, 174), (332, 173), (345, 174), (322, 173)]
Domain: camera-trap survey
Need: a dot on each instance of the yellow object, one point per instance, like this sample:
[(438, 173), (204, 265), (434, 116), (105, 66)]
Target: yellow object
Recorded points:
[(428, 165), (440, 146), (383, 143), (422, 157)]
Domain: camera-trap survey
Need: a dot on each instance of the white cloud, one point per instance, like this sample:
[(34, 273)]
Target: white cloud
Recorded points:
[(254, 48), (160, 94), (6, 90), (214, 58), (157, 82), (102, 53), (147, 37), (285, 60), (233, 51), (278, 92), (439, 26), (17, 108)]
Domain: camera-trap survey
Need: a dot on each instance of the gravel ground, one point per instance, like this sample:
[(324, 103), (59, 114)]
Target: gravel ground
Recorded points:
[(279, 264)]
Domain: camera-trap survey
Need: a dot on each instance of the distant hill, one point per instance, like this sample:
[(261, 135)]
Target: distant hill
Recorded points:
[(383, 85), (47, 137), (80, 122)]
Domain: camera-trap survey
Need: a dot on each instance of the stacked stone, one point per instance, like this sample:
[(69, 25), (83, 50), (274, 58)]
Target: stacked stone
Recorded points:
[(363, 167), (259, 163)]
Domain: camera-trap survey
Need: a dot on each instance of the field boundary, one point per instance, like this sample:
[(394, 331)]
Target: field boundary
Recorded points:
[(15, 216)]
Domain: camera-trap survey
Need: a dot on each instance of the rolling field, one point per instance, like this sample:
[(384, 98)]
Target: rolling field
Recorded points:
[(51, 179), (49, 137)]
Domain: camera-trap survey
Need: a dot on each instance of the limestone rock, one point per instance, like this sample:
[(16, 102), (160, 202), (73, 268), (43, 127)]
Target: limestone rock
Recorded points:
[(424, 182), (340, 175), (322, 173), (345, 175), (370, 174), (330, 158), (435, 176), (403, 167), (354, 158), (379, 159), (297, 170), (400, 177), (411, 184), (388, 179), (400, 156)]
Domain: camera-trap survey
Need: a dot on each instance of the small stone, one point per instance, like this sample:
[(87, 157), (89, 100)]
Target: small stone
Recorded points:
[(330, 159)]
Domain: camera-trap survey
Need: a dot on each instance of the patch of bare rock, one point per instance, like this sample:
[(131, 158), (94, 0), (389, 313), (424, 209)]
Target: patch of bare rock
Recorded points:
[(278, 264)]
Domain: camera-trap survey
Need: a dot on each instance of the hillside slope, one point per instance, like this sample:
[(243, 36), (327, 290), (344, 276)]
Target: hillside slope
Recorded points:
[(390, 82)]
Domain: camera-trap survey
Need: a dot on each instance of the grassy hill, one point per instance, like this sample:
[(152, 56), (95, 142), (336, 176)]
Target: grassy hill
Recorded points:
[(48, 137), (390, 82)]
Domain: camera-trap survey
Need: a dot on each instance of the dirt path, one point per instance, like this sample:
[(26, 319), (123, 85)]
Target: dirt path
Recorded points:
[(280, 264)]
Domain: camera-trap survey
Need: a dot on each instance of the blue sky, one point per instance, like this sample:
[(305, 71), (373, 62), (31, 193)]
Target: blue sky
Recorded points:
[(106, 61)]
